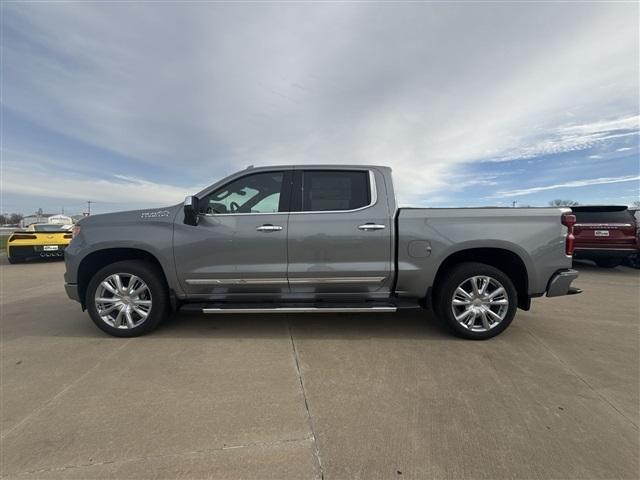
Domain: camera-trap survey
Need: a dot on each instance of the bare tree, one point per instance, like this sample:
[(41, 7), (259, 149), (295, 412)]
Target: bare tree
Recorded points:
[(15, 218), (636, 204), (563, 203)]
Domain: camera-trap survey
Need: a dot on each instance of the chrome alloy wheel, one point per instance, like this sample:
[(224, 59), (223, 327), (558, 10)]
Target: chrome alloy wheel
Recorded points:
[(480, 303), (123, 300)]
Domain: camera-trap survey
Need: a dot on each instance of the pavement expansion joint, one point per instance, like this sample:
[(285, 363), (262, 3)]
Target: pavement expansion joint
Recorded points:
[(306, 402)]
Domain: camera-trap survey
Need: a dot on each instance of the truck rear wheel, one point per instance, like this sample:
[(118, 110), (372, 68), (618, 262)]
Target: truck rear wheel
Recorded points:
[(127, 298), (476, 301)]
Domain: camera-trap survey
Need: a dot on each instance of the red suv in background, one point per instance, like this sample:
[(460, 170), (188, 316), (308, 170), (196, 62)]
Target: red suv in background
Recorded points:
[(605, 234), (634, 261)]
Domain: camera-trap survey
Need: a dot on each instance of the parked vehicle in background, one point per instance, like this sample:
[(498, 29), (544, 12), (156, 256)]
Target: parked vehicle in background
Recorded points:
[(634, 260), (606, 234), (317, 239), (38, 241)]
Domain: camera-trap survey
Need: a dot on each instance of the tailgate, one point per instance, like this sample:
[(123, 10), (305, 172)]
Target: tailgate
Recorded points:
[(605, 235)]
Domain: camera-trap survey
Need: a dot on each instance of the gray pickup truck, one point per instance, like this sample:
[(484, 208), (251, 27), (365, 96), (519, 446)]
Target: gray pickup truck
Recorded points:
[(321, 238)]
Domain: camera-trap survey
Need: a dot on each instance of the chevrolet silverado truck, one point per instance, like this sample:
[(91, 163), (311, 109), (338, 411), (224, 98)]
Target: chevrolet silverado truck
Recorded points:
[(296, 239)]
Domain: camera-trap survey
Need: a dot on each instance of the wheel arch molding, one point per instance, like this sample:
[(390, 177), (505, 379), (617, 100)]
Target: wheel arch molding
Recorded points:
[(505, 259), (100, 258)]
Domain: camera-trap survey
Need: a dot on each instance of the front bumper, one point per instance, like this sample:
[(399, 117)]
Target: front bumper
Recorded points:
[(72, 291), (560, 283)]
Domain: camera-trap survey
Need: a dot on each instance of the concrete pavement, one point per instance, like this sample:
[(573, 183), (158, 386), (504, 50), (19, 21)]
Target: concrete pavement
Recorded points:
[(338, 396)]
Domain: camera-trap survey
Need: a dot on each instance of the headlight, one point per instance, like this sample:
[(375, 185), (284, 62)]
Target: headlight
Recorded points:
[(75, 231)]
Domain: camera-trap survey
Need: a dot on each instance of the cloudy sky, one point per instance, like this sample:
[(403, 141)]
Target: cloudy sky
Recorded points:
[(133, 104)]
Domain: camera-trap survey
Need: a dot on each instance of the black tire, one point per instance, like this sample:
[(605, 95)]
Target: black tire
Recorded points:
[(608, 262), (444, 293), (13, 260), (634, 261), (149, 274)]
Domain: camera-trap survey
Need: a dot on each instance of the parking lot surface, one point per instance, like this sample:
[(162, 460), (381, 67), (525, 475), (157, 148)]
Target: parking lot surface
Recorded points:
[(333, 396)]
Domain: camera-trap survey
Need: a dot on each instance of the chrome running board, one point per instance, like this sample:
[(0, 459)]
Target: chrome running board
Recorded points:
[(302, 310)]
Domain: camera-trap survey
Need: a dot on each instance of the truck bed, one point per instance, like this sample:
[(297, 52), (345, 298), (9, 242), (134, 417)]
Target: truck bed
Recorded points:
[(427, 236)]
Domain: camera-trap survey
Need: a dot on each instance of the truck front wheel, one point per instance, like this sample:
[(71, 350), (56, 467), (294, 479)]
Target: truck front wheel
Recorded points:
[(476, 301), (127, 298)]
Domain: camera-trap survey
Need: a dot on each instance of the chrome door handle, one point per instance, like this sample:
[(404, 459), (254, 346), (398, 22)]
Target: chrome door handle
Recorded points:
[(268, 228), (371, 226)]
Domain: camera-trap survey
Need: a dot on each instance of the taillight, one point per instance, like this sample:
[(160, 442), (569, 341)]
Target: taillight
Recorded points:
[(569, 220), (22, 236), (75, 231)]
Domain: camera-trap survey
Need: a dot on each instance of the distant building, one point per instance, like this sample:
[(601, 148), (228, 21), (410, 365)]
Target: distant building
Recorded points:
[(35, 218)]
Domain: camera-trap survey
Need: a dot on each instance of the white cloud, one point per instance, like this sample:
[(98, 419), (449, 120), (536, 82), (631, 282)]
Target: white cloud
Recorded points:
[(116, 189), (572, 184), (210, 88), (576, 137)]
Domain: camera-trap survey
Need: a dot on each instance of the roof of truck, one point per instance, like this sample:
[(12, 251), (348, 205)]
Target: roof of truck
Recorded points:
[(317, 165)]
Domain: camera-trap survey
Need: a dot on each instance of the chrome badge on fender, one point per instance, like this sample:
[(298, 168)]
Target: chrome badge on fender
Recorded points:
[(156, 214)]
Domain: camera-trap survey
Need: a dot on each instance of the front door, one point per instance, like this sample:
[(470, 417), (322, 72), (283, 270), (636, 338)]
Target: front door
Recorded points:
[(339, 234), (239, 247)]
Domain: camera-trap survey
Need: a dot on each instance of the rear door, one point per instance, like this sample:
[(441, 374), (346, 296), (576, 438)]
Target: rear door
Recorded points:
[(339, 239)]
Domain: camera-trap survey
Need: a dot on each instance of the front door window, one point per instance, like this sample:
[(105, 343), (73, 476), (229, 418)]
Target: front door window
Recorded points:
[(257, 193)]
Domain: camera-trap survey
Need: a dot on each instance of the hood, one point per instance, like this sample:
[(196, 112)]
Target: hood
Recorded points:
[(160, 214)]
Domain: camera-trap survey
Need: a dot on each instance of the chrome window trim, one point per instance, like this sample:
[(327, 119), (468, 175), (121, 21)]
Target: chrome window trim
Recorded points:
[(611, 226), (372, 186)]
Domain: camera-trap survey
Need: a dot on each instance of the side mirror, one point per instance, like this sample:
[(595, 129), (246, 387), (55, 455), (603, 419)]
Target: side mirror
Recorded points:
[(191, 210)]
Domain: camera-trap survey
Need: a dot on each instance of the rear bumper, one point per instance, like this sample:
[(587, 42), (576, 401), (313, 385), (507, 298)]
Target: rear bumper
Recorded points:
[(30, 252), (596, 253), (560, 283)]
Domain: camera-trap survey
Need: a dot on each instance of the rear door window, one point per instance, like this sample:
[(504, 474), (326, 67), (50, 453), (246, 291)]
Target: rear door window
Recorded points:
[(335, 190)]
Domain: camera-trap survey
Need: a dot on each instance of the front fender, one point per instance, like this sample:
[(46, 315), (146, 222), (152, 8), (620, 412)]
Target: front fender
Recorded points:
[(97, 238)]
